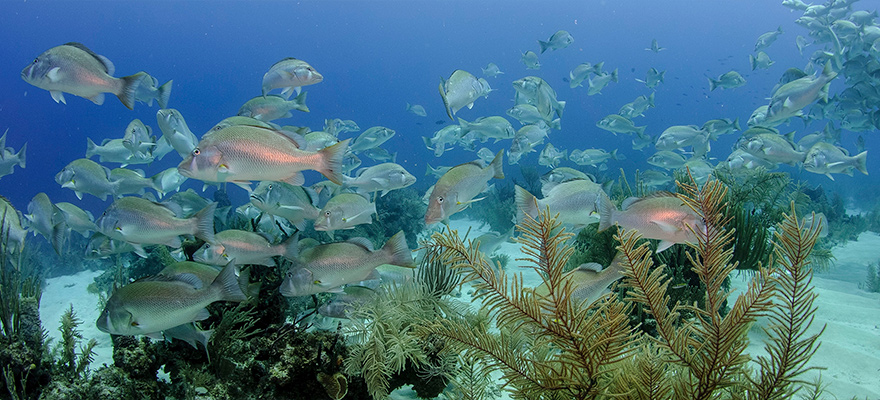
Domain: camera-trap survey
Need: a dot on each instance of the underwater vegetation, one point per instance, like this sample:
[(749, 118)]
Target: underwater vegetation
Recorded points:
[(553, 347), (872, 283), (497, 208)]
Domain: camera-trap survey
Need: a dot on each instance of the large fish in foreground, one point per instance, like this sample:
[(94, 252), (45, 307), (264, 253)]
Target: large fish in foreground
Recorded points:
[(461, 90), (243, 153), (662, 216), (155, 304), (326, 267), (456, 189), (139, 221), (73, 68)]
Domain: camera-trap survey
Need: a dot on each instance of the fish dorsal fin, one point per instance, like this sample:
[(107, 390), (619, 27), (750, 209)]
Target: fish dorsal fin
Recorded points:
[(109, 68), (307, 243), (281, 61), (590, 266), (628, 202), (189, 279), (361, 241)]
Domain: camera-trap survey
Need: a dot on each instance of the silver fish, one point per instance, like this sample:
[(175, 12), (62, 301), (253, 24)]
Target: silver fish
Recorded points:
[(290, 74)]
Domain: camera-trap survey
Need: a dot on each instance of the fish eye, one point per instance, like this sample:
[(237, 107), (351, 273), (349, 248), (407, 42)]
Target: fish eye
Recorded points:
[(269, 187), (327, 213), (36, 60), (196, 151), (440, 199)]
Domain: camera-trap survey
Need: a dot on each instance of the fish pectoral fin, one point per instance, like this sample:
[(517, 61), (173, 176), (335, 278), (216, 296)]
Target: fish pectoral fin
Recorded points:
[(373, 275), (296, 180), (380, 181), (663, 245), (246, 185), (291, 208), (58, 96), (202, 315), (469, 202), (139, 250), (54, 75), (666, 227), (834, 164)]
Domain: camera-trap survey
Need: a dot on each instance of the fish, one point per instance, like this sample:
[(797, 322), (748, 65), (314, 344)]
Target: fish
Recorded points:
[(529, 114), (461, 90), (73, 68), (416, 109), (595, 86), (100, 246), (766, 39), (742, 159), (154, 304), (661, 216), (293, 203), (655, 47), (825, 158), (589, 281), (77, 219), (575, 202), (86, 176), (459, 186), (699, 169), (175, 131), (242, 120), (345, 211), (45, 218), (380, 155), (139, 221), (495, 127), (492, 70), (678, 136), (129, 181), (318, 140), (537, 92), (272, 107), (787, 100), (652, 178), (666, 159), (653, 78), (167, 181), (593, 156), (244, 248), (491, 241), (615, 124), (801, 44), (243, 153), (816, 220), (760, 61), (727, 80), (336, 126), (773, 148), (559, 40), (530, 60), (351, 296), (581, 72), (327, 267), (638, 106), (383, 177), (9, 158), (290, 75), (350, 161), (139, 139), (438, 172), (13, 230), (718, 127), (371, 138), (550, 156), (186, 204), (561, 174), (113, 150), (150, 90)]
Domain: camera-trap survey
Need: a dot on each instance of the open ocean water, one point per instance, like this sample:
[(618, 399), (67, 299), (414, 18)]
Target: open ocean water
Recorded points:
[(378, 56)]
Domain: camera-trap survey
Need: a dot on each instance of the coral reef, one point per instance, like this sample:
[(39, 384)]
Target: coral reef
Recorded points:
[(497, 208), (550, 347)]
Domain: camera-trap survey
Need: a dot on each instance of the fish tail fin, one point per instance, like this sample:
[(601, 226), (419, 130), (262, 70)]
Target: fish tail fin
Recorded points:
[(204, 221), (640, 130), (617, 156), (526, 204), (556, 124), (712, 84), (21, 155), (445, 101), (736, 124), (165, 94), (300, 102), (398, 251), (861, 162), (560, 105), (497, 164), (465, 126), (91, 148), (129, 87), (428, 169), (291, 247), (227, 284), (332, 157), (752, 62), (606, 212), (614, 75), (828, 72), (408, 106), (59, 232), (544, 45)]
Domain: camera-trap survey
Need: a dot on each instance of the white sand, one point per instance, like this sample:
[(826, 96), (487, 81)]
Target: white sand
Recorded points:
[(58, 295), (850, 348)]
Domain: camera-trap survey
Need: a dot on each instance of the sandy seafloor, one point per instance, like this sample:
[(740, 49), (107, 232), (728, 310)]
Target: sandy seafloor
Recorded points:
[(849, 350)]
